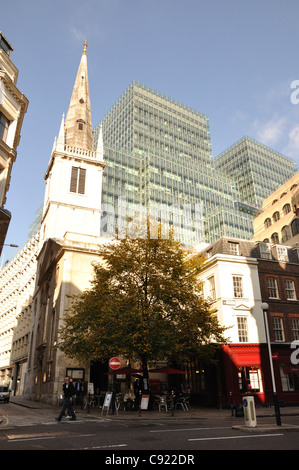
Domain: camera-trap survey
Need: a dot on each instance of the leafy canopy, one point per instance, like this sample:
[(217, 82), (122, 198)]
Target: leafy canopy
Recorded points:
[(144, 303)]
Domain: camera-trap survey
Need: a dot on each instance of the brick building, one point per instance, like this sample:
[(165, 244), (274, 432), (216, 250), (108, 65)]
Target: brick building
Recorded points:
[(239, 275)]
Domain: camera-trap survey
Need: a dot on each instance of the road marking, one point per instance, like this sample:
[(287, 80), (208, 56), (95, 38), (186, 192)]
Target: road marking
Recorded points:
[(234, 437), (190, 429), (6, 419), (31, 439), (38, 436), (106, 447)]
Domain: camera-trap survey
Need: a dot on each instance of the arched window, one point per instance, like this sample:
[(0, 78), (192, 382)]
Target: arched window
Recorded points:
[(276, 216), (295, 227), (286, 209), (274, 237), (285, 233), (267, 222)]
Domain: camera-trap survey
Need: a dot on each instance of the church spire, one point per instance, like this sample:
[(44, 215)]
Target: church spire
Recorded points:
[(78, 123)]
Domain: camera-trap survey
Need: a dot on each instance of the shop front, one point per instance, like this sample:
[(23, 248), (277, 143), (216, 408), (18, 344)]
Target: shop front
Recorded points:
[(286, 371), (246, 371), (243, 373)]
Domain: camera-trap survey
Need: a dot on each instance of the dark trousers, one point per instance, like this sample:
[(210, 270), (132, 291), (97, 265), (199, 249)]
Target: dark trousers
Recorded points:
[(67, 404)]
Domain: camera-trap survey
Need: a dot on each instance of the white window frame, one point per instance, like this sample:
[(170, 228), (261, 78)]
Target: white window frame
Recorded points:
[(265, 251), (272, 288), (282, 253), (295, 328), (234, 248), (238, 286), (278, 329), (242, 325), (290, 290), (211, 288)]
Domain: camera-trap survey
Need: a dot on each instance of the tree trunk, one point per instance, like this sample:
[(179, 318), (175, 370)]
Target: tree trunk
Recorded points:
[(145, 384)]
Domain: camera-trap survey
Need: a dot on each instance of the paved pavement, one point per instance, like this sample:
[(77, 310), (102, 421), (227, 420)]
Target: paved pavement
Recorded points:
[(195, 412)]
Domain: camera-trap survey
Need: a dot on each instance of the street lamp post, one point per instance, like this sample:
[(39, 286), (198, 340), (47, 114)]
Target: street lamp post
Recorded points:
[(265, 308), (10, 244)]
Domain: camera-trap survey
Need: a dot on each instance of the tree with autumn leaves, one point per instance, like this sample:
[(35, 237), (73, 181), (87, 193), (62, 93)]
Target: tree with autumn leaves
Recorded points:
[(145, 304)]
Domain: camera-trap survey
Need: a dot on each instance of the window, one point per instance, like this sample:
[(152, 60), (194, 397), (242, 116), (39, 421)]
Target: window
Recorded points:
[(238, 286), (295, 227), (4, 125), (274, 237), (211, 288), (265, 251), (290, 289), (285, 233), (250, 379), (289, 375), (81, 122), (282, 253), (242, 329), (276, 216), (78, 176), (272, 287), (286, 209), (295, 328), (267, 222), (278, 329), (233, 248)]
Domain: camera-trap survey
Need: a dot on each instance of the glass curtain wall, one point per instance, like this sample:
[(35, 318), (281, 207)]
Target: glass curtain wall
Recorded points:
[(256, 169), (159, 156)]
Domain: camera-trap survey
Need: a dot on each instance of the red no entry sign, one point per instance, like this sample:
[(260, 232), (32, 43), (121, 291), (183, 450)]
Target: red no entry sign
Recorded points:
[(114, 363)]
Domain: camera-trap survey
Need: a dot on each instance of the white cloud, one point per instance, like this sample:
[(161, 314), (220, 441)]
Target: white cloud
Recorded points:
[(292, 148), (270, 132)]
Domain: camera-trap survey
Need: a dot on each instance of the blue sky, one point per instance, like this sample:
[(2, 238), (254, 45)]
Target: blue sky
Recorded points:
[(233, 60)]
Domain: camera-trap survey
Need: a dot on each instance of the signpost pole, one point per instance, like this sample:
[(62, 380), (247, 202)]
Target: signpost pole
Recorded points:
[(114, 364), (265, 308)]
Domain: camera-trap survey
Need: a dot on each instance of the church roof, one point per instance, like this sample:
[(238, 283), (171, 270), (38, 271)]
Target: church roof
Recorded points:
[(78, 123)]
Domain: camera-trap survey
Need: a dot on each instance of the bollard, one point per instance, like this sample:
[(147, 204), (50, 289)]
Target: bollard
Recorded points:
[(139, 406), (249, 411), (172, 403)]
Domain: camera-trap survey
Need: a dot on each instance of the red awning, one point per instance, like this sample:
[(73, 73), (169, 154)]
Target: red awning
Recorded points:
[(124, 371), (167, 370)]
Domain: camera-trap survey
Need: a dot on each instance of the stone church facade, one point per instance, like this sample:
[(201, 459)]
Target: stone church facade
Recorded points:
[(69, 241)]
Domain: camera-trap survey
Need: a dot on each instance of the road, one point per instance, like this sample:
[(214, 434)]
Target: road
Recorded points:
[(27, 429)]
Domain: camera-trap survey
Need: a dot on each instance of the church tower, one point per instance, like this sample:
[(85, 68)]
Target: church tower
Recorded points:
[(69, 243), (74, 176)]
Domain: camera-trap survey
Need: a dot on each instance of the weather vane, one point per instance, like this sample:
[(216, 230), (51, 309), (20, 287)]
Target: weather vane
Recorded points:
[(85, 46)]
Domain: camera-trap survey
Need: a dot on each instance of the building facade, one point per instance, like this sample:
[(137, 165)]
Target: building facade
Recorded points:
[(278, 219), (256, 169), (17, 283), (69, 241), (13, 106), (238, 276), (279, 281), (158, 153)]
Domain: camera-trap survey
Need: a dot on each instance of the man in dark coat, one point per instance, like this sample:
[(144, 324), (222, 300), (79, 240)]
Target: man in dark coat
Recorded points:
[(68, 393)]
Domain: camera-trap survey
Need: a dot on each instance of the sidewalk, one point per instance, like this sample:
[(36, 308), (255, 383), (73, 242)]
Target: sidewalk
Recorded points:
[(196, 412)]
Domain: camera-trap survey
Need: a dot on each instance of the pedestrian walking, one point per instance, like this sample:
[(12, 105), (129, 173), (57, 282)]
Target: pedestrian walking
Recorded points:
[(68, 394)]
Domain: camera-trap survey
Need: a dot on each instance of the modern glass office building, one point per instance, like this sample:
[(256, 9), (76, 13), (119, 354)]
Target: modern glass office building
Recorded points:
[(158, 155), (256, 169)]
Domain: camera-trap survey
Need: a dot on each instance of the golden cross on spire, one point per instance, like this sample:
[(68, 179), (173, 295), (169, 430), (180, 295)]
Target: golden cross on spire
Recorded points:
[(85, 46)]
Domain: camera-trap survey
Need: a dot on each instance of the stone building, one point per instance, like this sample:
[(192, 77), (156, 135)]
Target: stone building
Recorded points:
[(70, 236), (13, 106), (278, 220), (17, 283)]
